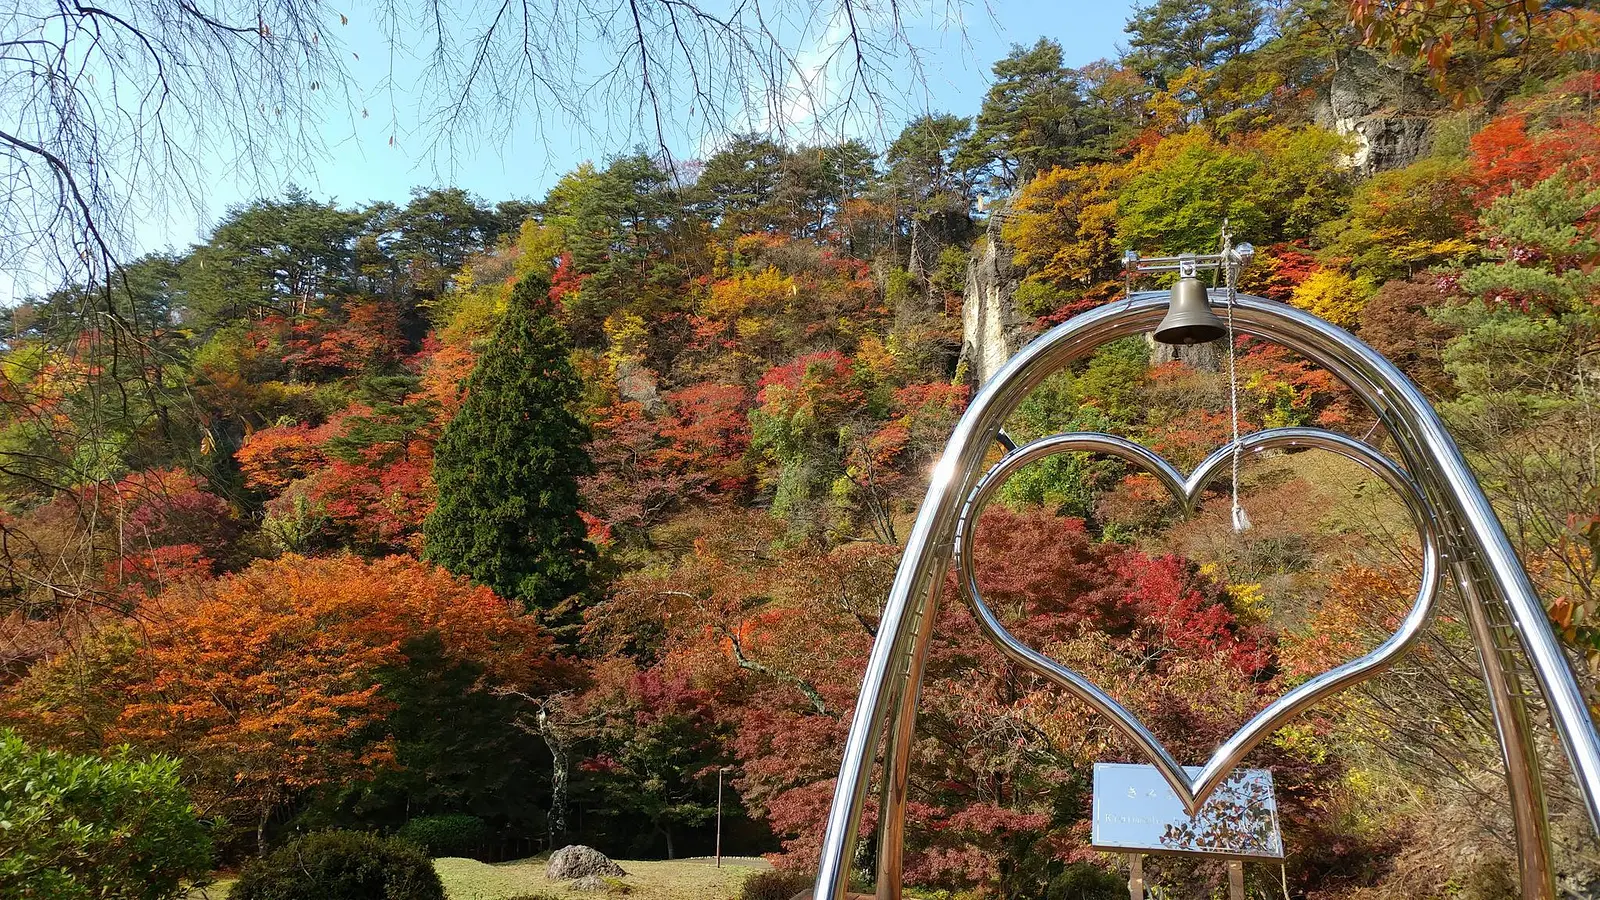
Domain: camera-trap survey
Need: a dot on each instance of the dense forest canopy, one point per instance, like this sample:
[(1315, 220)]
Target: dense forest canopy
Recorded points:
[(542, 513)]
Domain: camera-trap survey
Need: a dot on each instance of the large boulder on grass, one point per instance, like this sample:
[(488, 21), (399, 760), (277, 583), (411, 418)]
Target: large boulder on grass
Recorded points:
[(578, 861)]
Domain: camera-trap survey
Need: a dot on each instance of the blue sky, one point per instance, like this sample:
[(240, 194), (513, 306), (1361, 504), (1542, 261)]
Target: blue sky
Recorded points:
[(364, 166)]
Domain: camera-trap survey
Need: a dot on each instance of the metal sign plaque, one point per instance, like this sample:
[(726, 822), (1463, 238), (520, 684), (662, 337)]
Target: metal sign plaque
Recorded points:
[(1136, 811)]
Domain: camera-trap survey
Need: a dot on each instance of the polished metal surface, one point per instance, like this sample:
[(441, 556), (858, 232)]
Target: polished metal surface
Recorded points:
[(1189, 318), (1193, 790), (1136, 810), (897, 750), (1499, 666), (1480, 555), (1189, 263)]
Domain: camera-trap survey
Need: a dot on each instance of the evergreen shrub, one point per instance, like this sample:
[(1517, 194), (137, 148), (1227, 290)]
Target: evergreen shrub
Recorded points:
[(79, 827), (776, 884), (341, 865), (455, 834), (1087, 881)]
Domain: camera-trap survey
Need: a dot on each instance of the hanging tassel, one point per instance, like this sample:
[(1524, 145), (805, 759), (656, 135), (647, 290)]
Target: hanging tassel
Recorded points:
[(1241, 521)]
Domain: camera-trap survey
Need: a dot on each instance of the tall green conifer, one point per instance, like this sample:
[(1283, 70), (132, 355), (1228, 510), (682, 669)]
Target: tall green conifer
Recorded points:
[(508, 465)]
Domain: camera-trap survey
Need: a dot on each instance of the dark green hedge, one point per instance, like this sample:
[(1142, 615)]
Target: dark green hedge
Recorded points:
[(341, 865)]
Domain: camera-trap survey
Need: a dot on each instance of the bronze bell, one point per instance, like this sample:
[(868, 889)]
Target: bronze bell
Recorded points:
[(1189, 317)]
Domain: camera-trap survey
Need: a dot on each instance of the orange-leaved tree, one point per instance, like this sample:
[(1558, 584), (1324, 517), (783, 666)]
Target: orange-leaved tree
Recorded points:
[(270, 682)]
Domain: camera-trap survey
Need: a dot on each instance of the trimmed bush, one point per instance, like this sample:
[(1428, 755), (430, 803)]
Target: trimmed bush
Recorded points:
[(457, 834), (84, 827), (775, 884), (341, 865), (1087, 881)]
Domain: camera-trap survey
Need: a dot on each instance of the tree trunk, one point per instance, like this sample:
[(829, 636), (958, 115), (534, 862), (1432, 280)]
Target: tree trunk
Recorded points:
[(556, 822), (914, 260), (261, 830)]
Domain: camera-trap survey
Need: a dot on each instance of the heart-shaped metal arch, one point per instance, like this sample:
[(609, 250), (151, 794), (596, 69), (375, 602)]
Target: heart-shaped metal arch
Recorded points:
[(1193, 792)]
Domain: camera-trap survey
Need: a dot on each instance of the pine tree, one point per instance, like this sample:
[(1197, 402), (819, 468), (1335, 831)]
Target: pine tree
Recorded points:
[(508, 465), (1170, 37), (1033, 118)]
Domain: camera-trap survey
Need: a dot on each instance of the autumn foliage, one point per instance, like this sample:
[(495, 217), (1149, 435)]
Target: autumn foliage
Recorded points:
[(268, 681), (671, 425)]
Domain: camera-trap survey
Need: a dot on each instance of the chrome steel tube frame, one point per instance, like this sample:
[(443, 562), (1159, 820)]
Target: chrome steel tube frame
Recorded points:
[(1500, 599), (1193, 790)]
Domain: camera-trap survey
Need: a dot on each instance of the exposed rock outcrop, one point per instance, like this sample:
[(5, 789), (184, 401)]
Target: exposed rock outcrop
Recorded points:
[(636, 382), (991, 327), (1205, 357), (578, 861), (1384, 106)]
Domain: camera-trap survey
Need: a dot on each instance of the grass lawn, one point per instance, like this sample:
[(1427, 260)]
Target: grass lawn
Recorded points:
[(680, 879)]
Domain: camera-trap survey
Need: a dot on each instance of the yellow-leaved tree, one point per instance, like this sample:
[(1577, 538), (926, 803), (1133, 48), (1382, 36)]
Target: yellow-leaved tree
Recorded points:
[(1334, 295)]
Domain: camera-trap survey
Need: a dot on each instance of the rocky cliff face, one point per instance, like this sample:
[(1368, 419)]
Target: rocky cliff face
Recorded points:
[(991, 327), (636, 382), (1378, 100), (1205, 357), (1384, 106)]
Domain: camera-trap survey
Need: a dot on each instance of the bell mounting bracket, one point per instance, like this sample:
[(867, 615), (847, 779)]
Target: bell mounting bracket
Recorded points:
[(1187, 265)]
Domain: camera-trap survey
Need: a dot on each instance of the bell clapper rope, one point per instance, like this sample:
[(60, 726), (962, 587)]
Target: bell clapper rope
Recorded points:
[(1230, 265)]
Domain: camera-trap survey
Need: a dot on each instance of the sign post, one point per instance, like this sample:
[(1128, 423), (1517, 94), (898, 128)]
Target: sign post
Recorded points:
[(720, 770), (1136, 812)]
